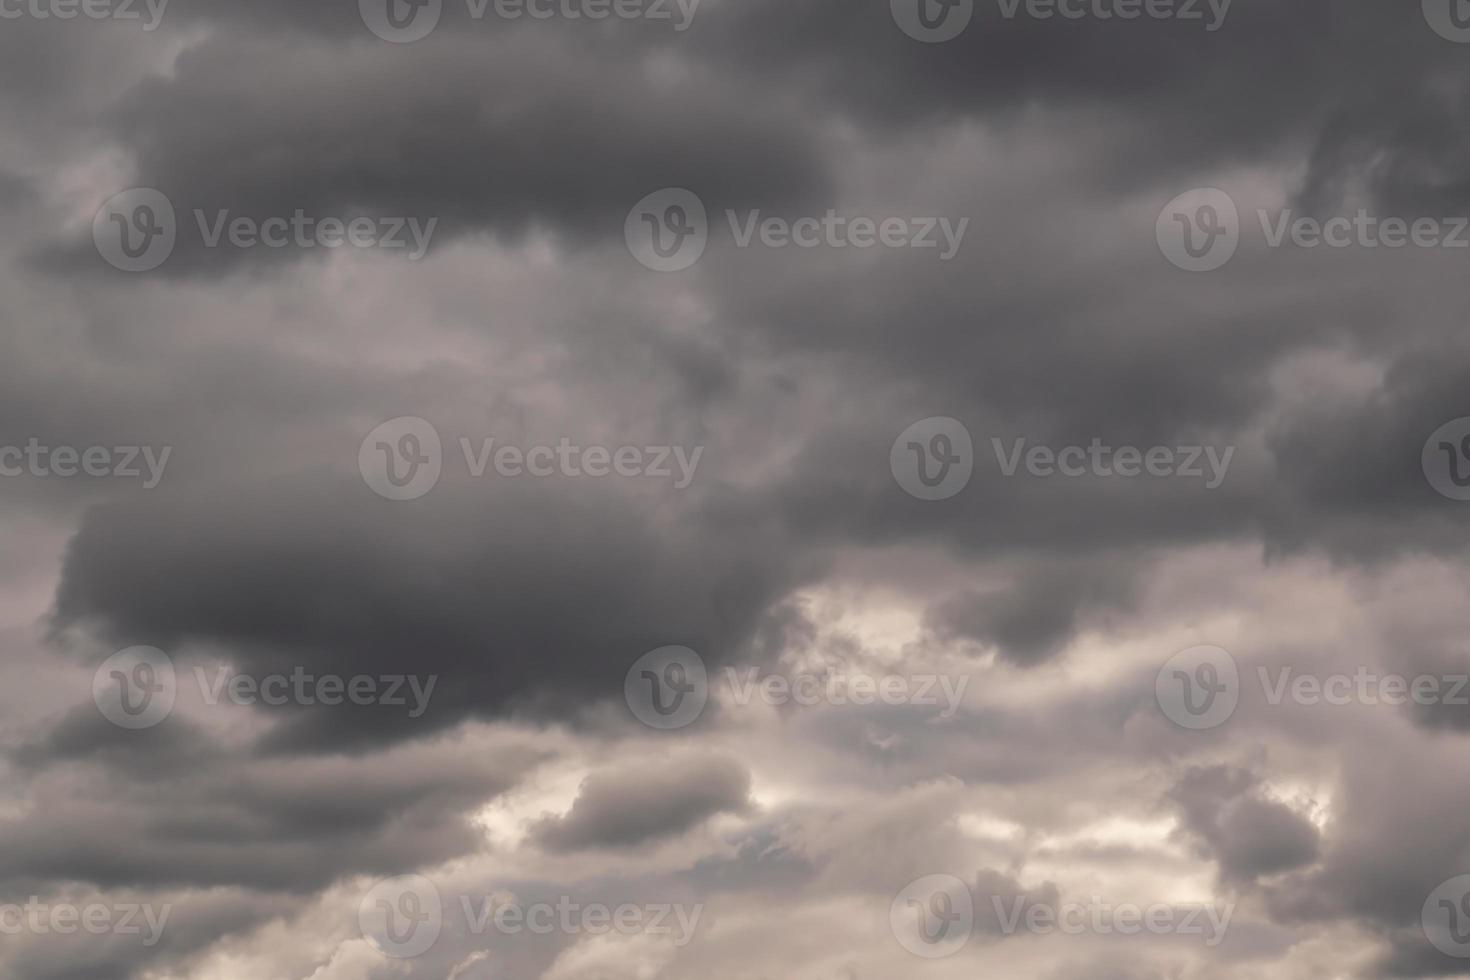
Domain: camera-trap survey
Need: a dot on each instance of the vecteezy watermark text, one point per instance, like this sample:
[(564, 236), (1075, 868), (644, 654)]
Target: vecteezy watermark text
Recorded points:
[(137, 230), (88, 9), (934, 917), (403, 917), (936, 21), (137, 688), (669, 230), (122, 462), (669, 688), (38, 918), (403, 459), (934, 459), (407, 21), (1098, 459), (1200, 230), (1201, 687)]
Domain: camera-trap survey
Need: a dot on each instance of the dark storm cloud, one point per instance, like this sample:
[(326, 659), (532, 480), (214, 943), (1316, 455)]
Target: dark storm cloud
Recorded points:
[(247, 127), (248, 124), (1368, 85), (544, 606), (634, 806), (219, 817), (194, 922), (1247, 834), (1034, 618), (1057, 323), (1354, 472)]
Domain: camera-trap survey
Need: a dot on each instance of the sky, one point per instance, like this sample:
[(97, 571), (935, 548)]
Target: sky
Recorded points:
[(745, 489)]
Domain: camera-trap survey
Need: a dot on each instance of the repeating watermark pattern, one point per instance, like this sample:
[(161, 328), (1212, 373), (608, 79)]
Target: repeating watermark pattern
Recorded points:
[(403, 917), (146, 463), (933, 459), (137, 231), (148, 12), (407, 21), (1199, 231), (138, 687), (1446, 917), (403, 459), (669, 688), (669, 230), (1446, 459), (933, 916), (936, 21), (1449, 18), (1201, 688), (38, 918)]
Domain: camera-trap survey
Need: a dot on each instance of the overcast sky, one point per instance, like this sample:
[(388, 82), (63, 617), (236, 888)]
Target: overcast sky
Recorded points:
[(837, 489)]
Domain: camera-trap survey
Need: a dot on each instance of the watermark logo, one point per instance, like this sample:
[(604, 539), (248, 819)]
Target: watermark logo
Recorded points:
[(135, 230), (135, 688), (667, 688), (1449, 18), (90, 9), (402, 459), (1446, 459), (933, 917), (1199, 230), (670, 687), (401, 21), (668, 230), (402, 917), (1199, 688), (933, 459), (933, 21), (1446, 917)]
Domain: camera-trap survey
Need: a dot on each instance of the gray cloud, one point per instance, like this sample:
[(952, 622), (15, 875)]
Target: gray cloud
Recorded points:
[(638, 805)]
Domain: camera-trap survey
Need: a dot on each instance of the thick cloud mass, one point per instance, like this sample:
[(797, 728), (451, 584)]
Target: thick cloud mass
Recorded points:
[(876, 727)]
